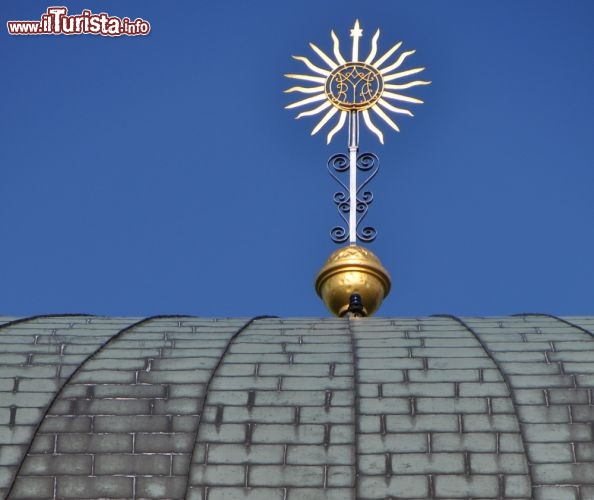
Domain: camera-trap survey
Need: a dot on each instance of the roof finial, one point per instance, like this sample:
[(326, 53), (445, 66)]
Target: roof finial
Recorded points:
[(348, 90)]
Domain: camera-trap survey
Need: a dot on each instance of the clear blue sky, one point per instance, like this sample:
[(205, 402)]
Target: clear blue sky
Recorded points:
[(160, 174)]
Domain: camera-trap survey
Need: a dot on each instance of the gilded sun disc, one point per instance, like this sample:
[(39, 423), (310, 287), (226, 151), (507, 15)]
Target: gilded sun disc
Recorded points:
[(354, 86)]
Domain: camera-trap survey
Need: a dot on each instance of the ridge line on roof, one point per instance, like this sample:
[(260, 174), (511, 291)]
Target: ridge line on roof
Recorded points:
[(356, 404), (67, 381), (552, 316), (40, 316), (245, 326), (507, 383)]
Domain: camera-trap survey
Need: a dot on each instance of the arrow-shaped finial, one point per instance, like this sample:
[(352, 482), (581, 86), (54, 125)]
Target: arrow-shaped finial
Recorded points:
[(356, 33)]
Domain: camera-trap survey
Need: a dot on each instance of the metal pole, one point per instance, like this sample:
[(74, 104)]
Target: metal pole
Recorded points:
[(353, 150)]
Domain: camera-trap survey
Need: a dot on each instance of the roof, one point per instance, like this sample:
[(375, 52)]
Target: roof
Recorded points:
[(296, 408)]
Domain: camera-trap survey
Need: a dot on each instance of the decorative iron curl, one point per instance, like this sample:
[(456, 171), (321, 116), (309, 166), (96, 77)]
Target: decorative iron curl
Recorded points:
[(339, 162), (339, 234), (367, 234), (339, 197), (367, 163)]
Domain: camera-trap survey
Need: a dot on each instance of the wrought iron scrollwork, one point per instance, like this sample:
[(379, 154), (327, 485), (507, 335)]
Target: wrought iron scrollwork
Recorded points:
[(368, 164)]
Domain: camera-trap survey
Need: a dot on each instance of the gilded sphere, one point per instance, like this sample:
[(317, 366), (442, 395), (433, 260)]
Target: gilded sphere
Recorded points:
[(350, 270)]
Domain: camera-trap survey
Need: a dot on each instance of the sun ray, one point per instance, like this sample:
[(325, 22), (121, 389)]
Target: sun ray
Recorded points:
[(373, 52), (394, 109), (307, 100), (337, 127), (380, 112), (337, 54), (314, 111), (393, 86), (382, 59), (323, 56), (371, 126), (308, 78), (305, 90), (312, 66), (402, 74), (324, 120), (400, 97), (397, 64)]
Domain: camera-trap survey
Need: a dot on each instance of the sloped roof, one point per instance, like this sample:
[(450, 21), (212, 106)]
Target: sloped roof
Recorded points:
[(297, 408)]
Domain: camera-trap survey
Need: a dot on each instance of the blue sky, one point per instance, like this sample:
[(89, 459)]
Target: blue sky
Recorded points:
[(160, 174)]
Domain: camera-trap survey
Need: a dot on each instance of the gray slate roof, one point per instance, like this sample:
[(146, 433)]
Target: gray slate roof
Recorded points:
[(296, 409)]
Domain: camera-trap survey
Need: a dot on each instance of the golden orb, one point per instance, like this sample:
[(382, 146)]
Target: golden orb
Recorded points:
[(352, 270)]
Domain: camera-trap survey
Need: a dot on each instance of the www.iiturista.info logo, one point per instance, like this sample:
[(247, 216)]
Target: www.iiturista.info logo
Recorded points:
[(56, 21)]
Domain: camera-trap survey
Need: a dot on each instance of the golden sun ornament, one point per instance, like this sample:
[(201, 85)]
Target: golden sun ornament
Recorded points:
[(353, 281), (355, 86)]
